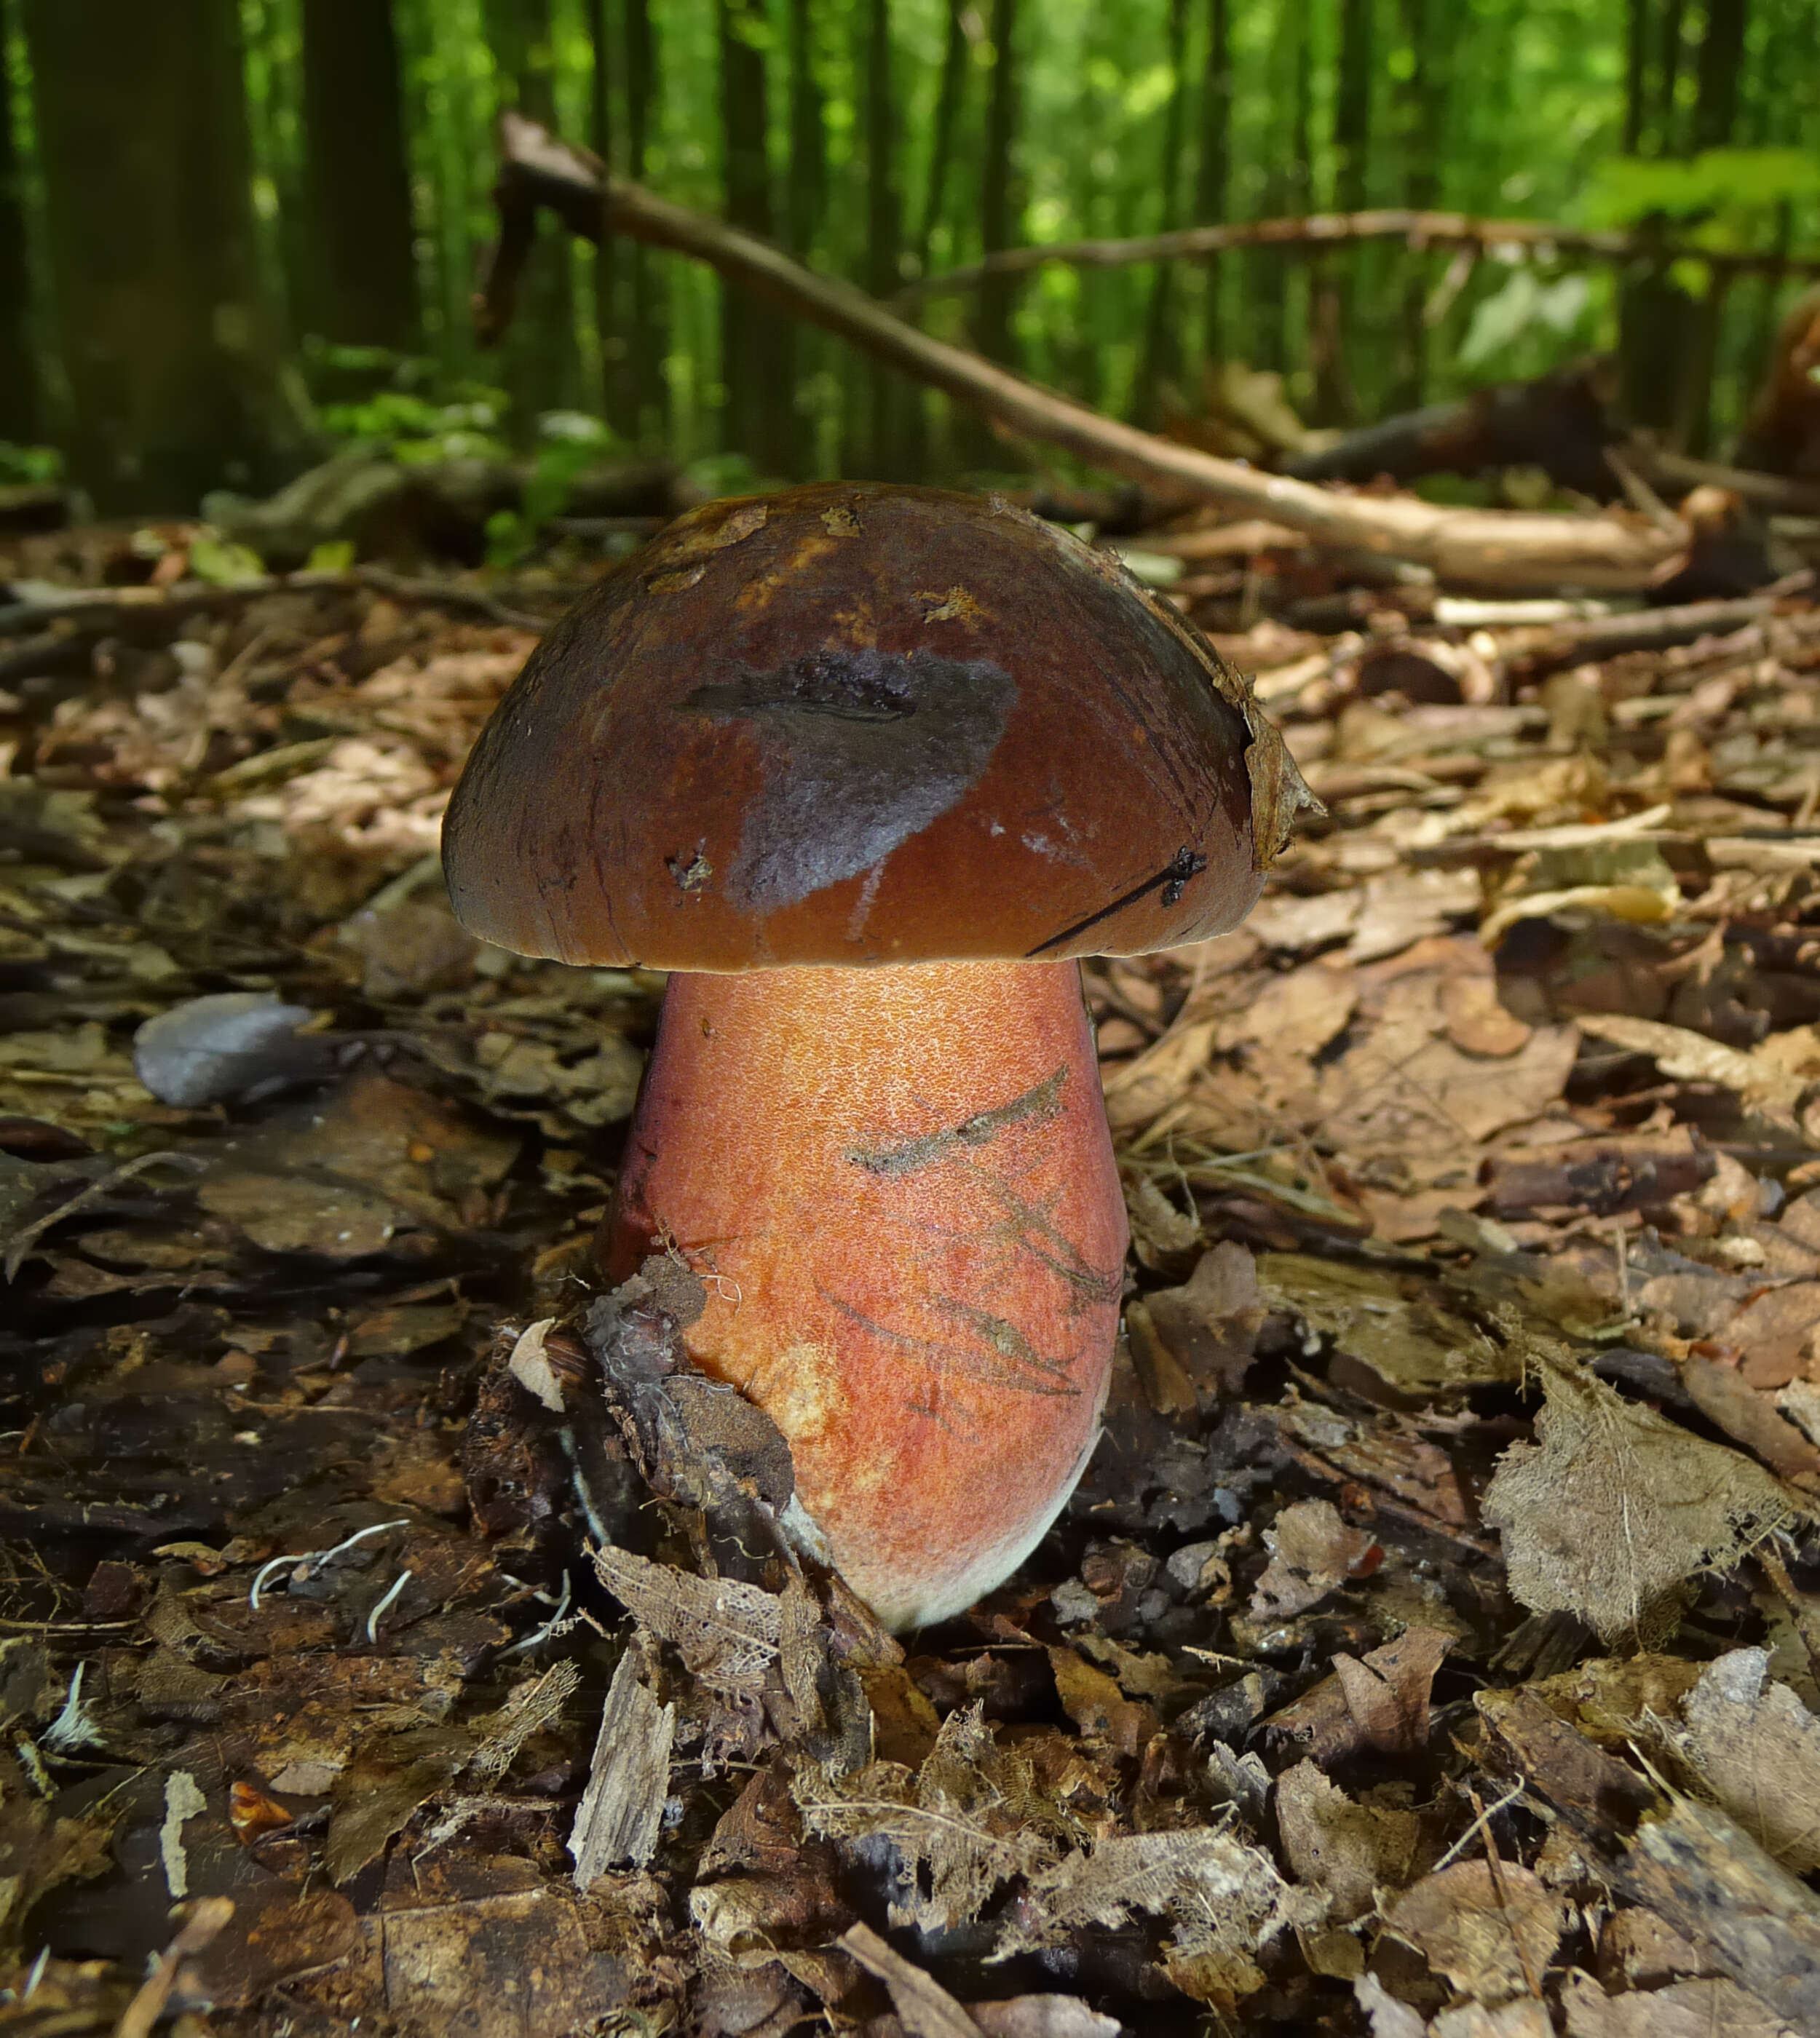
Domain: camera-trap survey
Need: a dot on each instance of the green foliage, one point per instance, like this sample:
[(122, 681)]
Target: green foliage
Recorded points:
[(568, 443), (28, 464), (1732, 188), (219, 560), (416, 430)]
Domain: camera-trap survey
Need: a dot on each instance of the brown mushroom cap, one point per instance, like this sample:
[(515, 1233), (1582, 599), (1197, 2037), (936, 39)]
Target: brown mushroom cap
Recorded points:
[(857, 724)]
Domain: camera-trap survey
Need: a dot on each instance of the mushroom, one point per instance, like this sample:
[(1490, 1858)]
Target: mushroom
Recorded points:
[(868, 768)]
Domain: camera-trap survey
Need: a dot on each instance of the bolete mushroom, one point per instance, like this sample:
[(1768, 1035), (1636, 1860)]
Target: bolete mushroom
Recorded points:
[(868, 768)]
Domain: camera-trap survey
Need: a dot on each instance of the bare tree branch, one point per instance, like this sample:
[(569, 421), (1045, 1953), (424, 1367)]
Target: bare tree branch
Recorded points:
[(1418, 229), (1502, 549)]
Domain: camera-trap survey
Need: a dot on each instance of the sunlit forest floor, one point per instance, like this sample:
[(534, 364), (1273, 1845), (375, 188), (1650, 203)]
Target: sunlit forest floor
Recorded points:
[(1432, 1645)]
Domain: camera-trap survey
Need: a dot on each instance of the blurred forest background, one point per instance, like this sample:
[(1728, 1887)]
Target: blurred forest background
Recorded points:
[(234, 234)]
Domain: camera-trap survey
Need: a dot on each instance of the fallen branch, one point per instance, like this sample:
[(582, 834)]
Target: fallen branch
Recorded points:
[(1654, 629), (113, 606), (1417, 230), (1504, 549), (1772, 492)]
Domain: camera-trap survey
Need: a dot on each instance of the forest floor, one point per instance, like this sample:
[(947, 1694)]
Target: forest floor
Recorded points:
[(1432, 1645)]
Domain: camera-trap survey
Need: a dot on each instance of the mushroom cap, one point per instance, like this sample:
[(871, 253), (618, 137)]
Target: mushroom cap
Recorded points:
[(854, 724)]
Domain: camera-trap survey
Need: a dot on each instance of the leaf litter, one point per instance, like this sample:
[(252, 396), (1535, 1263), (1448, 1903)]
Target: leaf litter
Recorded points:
[(1430, 1647)]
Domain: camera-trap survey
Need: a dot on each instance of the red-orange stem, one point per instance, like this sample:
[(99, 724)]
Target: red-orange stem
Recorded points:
[(901, 1185)]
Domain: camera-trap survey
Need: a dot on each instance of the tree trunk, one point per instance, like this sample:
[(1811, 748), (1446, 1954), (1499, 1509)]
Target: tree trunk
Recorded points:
[(887, 400), (1667, 77), (1335, 278), (1721, 60), (20, 413), (616, 398), (1214, 170), (542, 364), (806, 196), (170, 347), (649, 301), (1421, 101), (942, 140), (1162, 356), (358, 284), (756, 352), (999, 206), (1636, 74), (1715, 111)]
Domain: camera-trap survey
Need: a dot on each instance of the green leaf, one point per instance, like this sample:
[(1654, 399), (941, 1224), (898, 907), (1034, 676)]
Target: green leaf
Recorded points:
[(222, 563)]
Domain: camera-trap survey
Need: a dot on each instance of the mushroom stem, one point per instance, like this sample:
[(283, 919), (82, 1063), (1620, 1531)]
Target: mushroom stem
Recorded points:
[(900, 1185)]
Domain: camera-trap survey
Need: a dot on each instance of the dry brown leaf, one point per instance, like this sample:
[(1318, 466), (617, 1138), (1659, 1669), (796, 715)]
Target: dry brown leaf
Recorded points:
[(1614, 1506), (971, 1817), (1490, 1927), (1313, 1552), (1757, 1748), (1210, 1323), (1684, 2009), (1392, 1322), (1404, 1087), (728, 1633), (1347, 1849), (1295, 1016), (1224, 1897), (1387, 1691), (1042, 2016), (1135, 1094), (1097, 1707), (1768, 1081)]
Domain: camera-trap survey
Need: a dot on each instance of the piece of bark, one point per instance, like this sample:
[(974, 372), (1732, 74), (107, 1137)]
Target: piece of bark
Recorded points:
[(1501, 548), (1601, 1175), (1702, 1872), (927, 2009), (622, 1809)]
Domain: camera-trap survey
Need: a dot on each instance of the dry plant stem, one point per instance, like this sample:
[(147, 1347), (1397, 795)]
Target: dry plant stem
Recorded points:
[(1499, 548), (899, 1186)]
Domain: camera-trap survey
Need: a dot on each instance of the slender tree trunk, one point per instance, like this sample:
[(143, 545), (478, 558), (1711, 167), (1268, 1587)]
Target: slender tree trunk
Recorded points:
[(806, 196), (1288, 186), (804, 219), (888, 400), (1214, 170), (1719, 64), (1162, 357), (617, 400), (649, 300), (1421, 101), (170, 350), (359, 283), (22, 415), (1335, 277), (542, 364), (999, 203), (1636, 74), (948, 94), (1668, 78), (756, 367)]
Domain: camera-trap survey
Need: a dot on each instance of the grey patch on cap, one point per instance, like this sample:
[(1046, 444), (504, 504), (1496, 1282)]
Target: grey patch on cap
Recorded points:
[(860, 750)]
